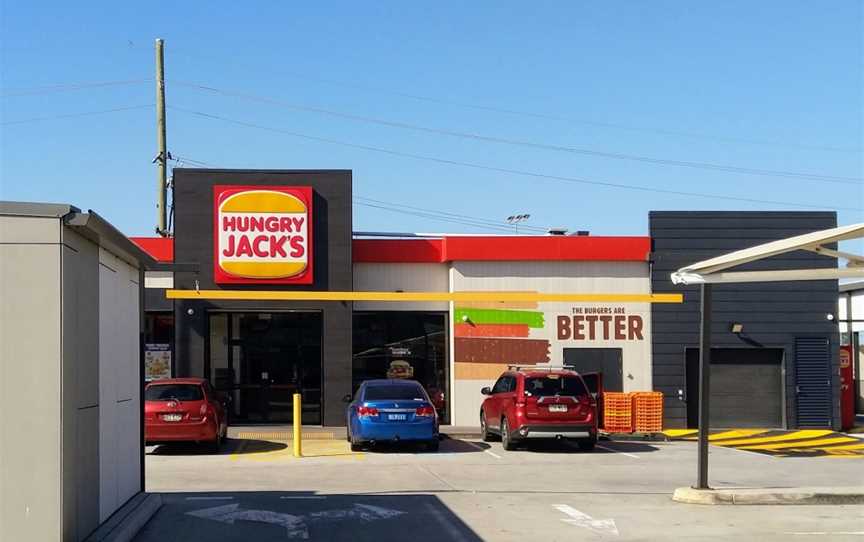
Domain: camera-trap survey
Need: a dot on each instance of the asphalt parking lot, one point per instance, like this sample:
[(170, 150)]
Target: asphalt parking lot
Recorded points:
[(470, 490)]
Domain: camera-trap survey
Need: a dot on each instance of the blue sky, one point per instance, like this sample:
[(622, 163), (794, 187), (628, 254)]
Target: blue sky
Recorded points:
[(755, 85)]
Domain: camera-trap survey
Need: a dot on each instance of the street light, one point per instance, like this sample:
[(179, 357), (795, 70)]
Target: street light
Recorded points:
[(515, 220)]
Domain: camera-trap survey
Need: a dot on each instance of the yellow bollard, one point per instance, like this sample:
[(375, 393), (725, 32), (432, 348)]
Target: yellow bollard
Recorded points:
[(298, 426)]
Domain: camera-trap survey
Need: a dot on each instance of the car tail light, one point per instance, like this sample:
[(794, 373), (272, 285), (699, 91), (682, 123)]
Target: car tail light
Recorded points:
[(367, 412), (425, 411), (202, 413)]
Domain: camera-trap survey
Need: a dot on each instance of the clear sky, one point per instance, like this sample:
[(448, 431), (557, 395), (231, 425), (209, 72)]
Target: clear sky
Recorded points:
[(770, 89)]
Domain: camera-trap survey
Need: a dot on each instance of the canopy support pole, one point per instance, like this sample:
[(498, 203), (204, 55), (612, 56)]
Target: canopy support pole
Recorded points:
[(704, 386)]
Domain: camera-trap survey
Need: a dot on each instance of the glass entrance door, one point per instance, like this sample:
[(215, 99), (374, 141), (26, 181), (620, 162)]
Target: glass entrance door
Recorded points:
[(260, 359)]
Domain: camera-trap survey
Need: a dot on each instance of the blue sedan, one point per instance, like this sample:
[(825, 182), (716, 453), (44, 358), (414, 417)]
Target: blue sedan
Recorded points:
[(392, 411)]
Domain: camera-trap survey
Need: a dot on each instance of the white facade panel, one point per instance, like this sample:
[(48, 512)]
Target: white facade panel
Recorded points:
[(540, 332), (406, 277), (159, 279)]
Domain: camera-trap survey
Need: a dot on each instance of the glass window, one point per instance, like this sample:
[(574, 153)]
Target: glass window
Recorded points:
[(403, 344), (394, 392), (502, 385), (179, 392), (550, 385)]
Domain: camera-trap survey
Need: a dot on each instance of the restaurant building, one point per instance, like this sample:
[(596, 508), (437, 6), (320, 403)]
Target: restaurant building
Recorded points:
[(261, 232)]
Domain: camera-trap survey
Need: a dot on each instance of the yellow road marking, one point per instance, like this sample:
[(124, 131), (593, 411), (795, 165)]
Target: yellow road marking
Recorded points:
[(808, 445), (844, 448), (736, 433), (283, 436), (313, 448), (421, 296), (796, 435)]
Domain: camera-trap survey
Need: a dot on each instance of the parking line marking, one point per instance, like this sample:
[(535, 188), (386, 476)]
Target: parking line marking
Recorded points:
[(634, 456), (801, 445), (482, 449), (795, 435), (314, 497), (209, 498)]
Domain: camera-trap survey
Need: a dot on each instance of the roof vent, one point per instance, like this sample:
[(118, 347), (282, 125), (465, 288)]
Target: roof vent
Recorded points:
[(557, 231), (582, 233)]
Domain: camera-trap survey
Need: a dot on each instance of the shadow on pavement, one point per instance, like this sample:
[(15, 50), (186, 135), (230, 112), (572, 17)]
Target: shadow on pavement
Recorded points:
[(269, 515), (229, 446), (565, 447), (447, 445)]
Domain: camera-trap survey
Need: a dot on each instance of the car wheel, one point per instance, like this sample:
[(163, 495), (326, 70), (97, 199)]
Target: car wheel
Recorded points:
[(484, 428), (586, 445), (506, 442), (215, 444)]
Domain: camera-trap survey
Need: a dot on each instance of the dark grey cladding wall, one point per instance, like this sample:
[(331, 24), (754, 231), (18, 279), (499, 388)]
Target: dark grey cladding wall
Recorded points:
[(193, 243), (772, 313)]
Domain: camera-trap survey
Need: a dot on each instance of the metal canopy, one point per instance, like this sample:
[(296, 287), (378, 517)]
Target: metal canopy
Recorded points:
[(710, 271), (713, 271)]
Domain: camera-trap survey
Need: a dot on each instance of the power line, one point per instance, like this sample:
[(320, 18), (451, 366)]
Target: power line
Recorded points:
[(444, 214), (524, 143), (532, 174), (75, 115), (501, 228), (544, 116), (66, 87), (434, 214)]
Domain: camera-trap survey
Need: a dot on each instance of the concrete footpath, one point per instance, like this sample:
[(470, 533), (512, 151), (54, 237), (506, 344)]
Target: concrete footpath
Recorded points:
[(771, 495)]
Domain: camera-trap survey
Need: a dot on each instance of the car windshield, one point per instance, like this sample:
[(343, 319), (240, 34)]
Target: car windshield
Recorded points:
[(549, 385), (394, 392), (181, 392)]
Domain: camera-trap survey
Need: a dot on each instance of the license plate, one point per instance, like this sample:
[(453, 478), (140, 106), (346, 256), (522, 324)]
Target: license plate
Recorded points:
[(172, 417), (557, 408), (396, 417)]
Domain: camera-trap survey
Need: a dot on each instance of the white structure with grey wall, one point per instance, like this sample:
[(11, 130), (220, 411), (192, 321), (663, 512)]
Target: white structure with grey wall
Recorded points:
[(70, 358)]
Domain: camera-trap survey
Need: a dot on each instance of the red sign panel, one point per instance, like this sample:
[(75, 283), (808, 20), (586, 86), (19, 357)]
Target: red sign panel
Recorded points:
[(262, 234)]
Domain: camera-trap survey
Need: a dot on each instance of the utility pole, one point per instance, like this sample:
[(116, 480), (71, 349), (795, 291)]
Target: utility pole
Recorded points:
[(162, 157)]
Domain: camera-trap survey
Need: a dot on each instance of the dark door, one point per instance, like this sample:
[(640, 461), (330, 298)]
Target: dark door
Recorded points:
[(813, 381), (607, 361), (261, 359), (746, 387)]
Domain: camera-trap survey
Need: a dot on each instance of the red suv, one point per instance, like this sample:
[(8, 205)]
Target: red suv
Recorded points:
[(539, 403)]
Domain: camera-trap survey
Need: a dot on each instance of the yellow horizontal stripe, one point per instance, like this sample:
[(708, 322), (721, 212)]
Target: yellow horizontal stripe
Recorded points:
[(795, 435), (736, 433), (844, 448), (254, 295), (808, 445)]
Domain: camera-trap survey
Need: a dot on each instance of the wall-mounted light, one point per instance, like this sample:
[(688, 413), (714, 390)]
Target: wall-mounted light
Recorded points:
[(829, 317), (737, 327), (190, 312), (465, 318)]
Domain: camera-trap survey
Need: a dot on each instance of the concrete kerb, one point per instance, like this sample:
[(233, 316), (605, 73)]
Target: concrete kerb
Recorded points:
[(124, 524), (770, 496)]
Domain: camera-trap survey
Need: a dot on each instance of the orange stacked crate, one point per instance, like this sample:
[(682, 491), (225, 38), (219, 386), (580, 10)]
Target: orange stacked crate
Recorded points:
[(617, 412), (647, 411)]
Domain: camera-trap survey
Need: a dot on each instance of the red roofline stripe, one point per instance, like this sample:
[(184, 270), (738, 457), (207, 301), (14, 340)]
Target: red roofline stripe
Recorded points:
[(479, 248), (160, 249)]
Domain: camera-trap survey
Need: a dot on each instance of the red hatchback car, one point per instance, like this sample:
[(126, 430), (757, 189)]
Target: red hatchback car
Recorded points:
[(539, 403), (183, 410)]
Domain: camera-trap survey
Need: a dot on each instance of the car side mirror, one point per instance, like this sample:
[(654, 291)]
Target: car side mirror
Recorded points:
[(486, 391), (347, 398)]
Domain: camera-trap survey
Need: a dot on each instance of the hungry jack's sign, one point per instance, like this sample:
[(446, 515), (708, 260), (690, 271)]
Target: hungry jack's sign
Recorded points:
[(262, 234)]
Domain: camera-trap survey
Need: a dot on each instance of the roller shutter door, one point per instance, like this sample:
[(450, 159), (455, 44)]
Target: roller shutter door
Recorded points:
[(746, 387)]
